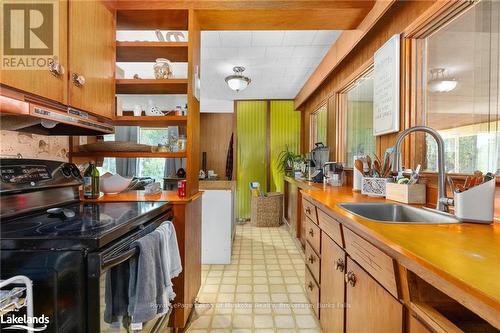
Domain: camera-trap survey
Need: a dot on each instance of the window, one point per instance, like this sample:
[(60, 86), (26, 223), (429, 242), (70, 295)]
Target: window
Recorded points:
[(359, 119), (140, 167), (462, 91), (318, 126)]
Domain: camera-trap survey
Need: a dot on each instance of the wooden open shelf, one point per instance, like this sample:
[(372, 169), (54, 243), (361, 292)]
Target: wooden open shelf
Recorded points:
[(150, 121), (126, 154), (170, 19), (149, 51), (151, 86)]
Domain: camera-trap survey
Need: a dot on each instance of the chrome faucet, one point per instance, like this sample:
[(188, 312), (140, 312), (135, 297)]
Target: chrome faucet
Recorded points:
[(442, 200)]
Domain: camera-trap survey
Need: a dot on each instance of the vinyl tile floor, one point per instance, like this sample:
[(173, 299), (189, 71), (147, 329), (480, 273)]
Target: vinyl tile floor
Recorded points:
[(262, 290)]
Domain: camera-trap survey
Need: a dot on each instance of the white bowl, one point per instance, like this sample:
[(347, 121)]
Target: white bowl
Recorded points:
[(109, 183)]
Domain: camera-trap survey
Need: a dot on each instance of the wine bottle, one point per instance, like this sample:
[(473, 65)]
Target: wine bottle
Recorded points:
[(91, 182)]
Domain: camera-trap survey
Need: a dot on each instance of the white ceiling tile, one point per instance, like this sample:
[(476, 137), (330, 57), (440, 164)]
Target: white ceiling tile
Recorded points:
[(210, 39), (294, 38), (223, 52), (325, 37), (267, 38), (251, 52), (279, 51), (309, 51), (235, 38)]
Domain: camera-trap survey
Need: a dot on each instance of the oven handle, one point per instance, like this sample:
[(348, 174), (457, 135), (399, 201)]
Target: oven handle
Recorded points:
[(116, 260)]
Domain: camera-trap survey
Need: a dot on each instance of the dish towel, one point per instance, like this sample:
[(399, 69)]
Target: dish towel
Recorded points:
[(171, 258), (147, 290), (116, 294)]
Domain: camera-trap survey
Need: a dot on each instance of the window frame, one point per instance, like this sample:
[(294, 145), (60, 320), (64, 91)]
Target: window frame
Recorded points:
[(313, 138), (341, 104), (413, 78)]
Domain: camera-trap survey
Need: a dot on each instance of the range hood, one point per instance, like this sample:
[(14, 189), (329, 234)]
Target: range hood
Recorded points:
[(38, 118)]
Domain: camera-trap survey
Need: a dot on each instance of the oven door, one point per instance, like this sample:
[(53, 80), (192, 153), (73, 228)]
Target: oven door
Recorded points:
[(108, 275)]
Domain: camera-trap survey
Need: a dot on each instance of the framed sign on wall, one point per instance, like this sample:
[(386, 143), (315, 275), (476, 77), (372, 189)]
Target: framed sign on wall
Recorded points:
[(386, 87)]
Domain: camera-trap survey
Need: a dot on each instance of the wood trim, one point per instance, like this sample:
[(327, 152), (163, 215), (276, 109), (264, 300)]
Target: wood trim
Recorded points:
[(340, 49), (332, 125), (268, 146)]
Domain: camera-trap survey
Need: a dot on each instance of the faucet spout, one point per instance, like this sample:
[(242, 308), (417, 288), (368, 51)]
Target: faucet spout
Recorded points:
[(396, 167)]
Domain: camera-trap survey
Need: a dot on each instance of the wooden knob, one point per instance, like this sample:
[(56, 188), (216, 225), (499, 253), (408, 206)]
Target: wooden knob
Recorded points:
[(310, 286), (311, 232), (311, 259), (308, 210), (350, 278)]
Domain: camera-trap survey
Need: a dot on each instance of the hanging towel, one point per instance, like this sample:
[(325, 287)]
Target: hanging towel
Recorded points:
[(171, 258), (147, 290), (116, 293), (229, 160)]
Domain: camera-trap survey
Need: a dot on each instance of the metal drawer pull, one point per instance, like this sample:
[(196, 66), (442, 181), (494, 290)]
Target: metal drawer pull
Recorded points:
[(350, 278), (78, 80), (311, 232), (311, 259), (339, 265), (308, 210), (310, 286)]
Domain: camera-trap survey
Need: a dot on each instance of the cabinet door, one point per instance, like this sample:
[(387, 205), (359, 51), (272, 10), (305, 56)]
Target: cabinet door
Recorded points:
[(332, 286), (91, 57), (370, 308), (41, 81)]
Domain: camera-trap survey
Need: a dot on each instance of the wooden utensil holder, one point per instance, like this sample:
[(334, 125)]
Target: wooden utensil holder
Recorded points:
[(408, 194)]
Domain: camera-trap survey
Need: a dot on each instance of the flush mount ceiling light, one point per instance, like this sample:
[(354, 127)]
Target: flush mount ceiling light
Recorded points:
[(440, 83), (238, 81)]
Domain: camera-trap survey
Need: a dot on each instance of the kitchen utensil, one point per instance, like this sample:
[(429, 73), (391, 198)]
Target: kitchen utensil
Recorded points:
[(376, 168), (320, 155), (451, 183), (415, 175), (66, 212), (368, 166), (358, 164)]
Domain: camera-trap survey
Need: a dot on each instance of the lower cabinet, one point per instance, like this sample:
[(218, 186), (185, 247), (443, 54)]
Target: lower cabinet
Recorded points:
[(332, 286), (369, 305)]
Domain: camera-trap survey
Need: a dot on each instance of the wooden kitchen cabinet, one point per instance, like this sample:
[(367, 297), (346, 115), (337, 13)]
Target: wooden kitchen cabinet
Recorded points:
[(332, 286), (369, 304), (91, 57), (42, 81)]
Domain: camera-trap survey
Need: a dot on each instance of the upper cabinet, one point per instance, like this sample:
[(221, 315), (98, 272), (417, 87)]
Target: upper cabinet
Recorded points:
[(91, 57), (82, 71), (44, 81)]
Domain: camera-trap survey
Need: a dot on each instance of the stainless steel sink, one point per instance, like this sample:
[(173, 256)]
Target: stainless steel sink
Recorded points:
[(393, 213)]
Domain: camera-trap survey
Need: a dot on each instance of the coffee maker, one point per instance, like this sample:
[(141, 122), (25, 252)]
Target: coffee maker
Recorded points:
[(319, 156)]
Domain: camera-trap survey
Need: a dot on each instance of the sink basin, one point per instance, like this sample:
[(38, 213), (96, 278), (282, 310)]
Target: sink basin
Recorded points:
[(393, 213)]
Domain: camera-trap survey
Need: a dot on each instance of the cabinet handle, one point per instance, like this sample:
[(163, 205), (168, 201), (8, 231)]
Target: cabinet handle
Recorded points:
[(308, 210), (310, 286), (55, 68), (311, 259), (350, 278), (78, 79), (311, 232), (339, 265)]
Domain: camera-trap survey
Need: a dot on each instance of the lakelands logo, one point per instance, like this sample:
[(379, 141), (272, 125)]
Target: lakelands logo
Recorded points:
[(30, 34), (25, 323)]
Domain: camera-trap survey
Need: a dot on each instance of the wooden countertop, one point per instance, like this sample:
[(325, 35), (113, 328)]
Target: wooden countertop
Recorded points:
[(170, 196), (462, 260)]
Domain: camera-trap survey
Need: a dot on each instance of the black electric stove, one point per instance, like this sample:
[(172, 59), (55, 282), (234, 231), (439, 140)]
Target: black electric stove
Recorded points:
[(68, 259)]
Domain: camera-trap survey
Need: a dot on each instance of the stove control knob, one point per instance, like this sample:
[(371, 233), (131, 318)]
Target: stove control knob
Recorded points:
[(32, 183), (75, 172), (66, 170)]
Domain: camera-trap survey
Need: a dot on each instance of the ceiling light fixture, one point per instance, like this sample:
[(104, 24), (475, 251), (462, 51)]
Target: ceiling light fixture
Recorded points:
[(238, 81), (440, 83)]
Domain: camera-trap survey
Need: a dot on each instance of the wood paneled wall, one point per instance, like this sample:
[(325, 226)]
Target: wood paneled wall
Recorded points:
[(215, 133), (395, 21)]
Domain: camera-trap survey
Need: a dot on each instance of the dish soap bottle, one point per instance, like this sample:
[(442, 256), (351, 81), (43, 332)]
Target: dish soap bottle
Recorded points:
[(91, 182)]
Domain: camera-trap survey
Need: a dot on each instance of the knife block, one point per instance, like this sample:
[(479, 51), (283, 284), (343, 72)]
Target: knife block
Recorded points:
[(476, 205)]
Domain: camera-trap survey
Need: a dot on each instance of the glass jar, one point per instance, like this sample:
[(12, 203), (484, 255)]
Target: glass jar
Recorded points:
[(181, 143), (163, 69)]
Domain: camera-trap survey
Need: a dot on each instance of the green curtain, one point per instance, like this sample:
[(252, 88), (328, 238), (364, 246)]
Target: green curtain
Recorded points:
[(251, 130), (284, 131)]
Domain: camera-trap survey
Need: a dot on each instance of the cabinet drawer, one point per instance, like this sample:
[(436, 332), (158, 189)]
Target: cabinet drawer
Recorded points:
[(312, 291), (313, 235), (331, 226), (310, 210), (313, 262), (374, 261)]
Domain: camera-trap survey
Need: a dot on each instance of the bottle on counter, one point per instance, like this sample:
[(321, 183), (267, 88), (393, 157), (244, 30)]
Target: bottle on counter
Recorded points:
[(91, 182)]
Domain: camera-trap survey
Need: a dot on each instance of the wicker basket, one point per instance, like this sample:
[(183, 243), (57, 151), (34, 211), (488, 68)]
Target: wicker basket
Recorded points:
[(267, 211)]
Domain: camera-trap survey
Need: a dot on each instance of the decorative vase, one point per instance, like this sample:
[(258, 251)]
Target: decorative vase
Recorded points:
[(163, 69), (153, 110), (137, 110)]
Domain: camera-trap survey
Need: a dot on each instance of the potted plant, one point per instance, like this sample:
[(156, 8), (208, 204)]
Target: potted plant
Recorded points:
[(288, 161)]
